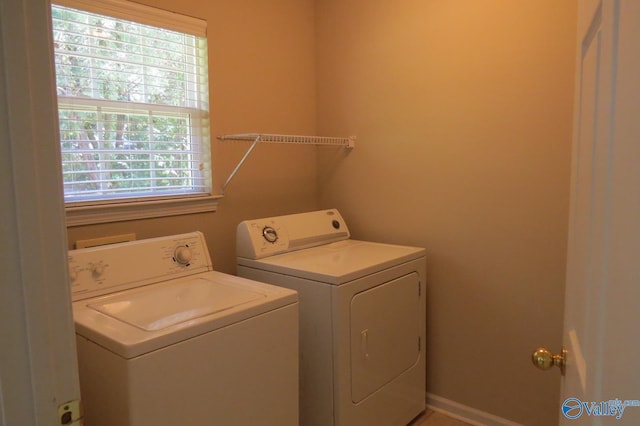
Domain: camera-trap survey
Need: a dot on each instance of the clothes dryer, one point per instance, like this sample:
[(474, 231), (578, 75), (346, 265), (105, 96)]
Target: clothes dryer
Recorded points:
[(362, 316), (165, 340)]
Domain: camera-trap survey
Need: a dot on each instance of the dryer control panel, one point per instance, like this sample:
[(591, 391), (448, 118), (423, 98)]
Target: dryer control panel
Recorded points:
[(106, 269), (260, 238)]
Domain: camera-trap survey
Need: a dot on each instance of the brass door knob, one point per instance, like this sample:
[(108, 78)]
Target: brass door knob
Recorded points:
[(544, 359)]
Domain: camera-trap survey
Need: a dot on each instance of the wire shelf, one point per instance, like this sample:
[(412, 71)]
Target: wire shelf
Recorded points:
[(294, 139), (275, 138)]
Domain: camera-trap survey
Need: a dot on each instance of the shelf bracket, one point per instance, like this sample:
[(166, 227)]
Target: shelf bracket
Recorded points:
[(244, 158)]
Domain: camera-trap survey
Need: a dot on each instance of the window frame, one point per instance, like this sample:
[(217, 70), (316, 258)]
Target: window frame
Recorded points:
[(157, 205)]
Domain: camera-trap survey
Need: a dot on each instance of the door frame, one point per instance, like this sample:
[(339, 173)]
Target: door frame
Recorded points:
[(38, 364)]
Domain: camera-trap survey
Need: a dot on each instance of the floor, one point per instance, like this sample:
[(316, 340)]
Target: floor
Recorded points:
[(433, 418)]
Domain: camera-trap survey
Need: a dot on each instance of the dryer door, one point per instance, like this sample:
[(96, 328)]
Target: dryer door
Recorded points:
[(385, 333)]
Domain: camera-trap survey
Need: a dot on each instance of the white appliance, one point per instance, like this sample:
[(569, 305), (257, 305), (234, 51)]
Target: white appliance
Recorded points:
[(165, 340), (362, 316)]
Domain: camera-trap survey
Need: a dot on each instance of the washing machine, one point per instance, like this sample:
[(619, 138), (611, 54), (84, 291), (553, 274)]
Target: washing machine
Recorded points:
[(163, 339), (362, 316)]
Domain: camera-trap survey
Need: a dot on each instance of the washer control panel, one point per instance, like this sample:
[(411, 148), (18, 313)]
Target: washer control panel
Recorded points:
[(105, 269)]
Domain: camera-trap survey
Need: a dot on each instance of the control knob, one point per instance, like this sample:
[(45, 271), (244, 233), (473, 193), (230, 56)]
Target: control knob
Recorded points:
[(270, 234), (73, 275), (97, 271), (182, 255)]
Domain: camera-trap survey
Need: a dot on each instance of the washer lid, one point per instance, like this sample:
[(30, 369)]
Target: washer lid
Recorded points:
[(336, 263), (140, 320), (154, 308)]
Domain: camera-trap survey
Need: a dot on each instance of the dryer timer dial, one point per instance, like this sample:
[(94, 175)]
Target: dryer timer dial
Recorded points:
[(270, 234)]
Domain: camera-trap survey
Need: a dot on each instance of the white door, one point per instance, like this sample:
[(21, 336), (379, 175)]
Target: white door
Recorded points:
[(602, 302), (38, 368)]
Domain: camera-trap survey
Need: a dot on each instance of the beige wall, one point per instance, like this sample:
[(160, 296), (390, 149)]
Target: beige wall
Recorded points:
[(463, 113), (262, 79)]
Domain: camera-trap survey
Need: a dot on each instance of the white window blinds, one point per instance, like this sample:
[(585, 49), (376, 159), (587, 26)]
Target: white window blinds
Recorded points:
[(132, 101)]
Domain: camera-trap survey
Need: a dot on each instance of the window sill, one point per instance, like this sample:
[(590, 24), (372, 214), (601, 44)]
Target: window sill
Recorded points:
[(105, 213)]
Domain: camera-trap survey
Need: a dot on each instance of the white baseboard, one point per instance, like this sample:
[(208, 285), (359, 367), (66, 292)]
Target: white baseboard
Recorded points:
[(466, 414)]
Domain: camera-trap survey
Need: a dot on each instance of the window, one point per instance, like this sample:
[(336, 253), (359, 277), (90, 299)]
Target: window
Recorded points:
[(132, 85)]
